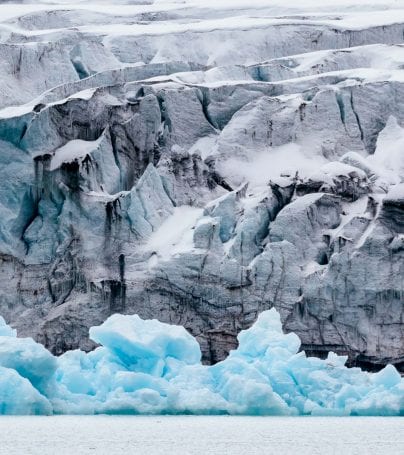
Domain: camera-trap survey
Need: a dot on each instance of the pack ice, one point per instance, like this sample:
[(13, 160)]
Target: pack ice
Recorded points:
[(148, 367)]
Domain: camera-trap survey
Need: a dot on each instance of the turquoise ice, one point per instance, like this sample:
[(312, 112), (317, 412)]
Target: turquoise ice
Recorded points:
[(147, 367)]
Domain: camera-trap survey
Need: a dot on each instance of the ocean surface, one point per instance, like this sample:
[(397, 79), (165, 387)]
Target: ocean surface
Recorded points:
[(201, 435)]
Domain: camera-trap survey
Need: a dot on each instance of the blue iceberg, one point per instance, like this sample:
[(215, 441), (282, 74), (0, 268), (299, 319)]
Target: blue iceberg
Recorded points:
[(147, 367)]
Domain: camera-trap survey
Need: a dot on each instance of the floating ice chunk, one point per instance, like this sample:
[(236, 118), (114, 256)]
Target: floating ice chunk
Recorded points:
[(266, 339), (76, 372), (147, 367), (5, 330), (388, 377), (146, 345), (19, 397), (245, 387), (29, 359)]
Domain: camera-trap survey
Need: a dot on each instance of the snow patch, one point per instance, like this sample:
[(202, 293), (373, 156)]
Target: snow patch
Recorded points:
[(389, 155), (285, 160), (175, 235), (72, 151)]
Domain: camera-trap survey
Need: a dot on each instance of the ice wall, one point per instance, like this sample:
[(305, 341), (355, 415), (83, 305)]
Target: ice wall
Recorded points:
[(200, 162)]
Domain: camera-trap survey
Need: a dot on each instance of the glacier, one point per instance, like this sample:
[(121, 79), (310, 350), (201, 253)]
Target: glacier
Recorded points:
[(200, 162), (149, 367)]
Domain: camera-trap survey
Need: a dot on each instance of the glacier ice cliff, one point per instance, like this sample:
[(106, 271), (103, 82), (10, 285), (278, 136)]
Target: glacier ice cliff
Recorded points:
[(149, 367), (199, 163)]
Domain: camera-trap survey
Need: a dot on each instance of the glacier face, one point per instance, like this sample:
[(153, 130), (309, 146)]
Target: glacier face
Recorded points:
[(148, 367), (201, 163)]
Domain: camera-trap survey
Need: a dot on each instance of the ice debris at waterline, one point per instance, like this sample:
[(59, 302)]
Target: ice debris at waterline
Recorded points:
[(147, 367)]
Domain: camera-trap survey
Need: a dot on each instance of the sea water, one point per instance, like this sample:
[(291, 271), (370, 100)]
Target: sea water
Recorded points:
[(176, 435)]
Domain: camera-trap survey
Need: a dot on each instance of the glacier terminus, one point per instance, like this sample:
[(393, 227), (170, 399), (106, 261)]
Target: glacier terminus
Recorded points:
[(202, 207)]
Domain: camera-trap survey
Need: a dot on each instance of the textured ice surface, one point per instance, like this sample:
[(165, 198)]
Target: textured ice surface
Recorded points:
[(18, 396), (158, 158), (147, 367)]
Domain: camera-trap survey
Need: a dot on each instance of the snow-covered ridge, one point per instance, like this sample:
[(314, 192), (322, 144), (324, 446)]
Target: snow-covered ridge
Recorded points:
[(200, 162)]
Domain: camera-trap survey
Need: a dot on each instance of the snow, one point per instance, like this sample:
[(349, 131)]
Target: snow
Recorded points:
[(350, 211), (148, 367), (204, 16), (265, 165), (203, 146), (9, 11), (331, 171), (83, 94), (72, 151), (396, 192), (388, 158), (17, 111), (175, 235), (347, 17)]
